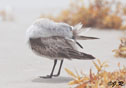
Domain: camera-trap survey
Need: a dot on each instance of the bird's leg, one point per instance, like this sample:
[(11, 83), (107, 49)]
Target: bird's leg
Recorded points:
[(59, 69), (50, 76), (79, 44)]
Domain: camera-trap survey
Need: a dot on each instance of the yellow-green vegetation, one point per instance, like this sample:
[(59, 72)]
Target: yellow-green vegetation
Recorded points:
[(98, 14), (121, 51), (101, 79)]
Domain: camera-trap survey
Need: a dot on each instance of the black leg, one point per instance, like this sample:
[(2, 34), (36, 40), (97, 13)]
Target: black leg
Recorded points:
[(50, 76), (59, 69)]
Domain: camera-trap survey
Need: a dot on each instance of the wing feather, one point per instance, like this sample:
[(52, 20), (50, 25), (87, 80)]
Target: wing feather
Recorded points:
[(57, 47)]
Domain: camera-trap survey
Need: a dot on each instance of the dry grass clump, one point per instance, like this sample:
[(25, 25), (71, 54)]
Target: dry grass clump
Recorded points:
[(102, 79), (121, 51), (98, 14), (6, 14)]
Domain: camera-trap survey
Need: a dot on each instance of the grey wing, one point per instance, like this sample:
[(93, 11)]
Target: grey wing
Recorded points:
[(54, 47), (57, 47)]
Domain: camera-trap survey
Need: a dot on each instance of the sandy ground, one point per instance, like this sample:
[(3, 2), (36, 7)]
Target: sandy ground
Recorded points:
[(20, 68)]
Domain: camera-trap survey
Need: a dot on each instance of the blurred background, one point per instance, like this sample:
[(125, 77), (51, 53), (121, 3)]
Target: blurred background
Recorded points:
[(20, 67), (92, 13)]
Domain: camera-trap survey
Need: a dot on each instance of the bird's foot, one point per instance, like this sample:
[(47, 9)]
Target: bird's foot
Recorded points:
[(49, 76), (56, 75), (46, 77)]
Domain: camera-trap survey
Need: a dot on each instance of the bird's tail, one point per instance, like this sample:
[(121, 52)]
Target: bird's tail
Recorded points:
[(80, 55), (77, 29)]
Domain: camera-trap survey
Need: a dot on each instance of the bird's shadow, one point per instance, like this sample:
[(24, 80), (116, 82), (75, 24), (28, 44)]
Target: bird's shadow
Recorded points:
[(52, 80)]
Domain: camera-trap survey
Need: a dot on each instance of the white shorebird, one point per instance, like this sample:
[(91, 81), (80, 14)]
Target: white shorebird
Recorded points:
[(56, 41)]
